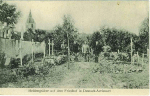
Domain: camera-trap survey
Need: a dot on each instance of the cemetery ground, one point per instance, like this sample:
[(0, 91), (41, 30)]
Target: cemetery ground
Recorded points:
[(105, 74)]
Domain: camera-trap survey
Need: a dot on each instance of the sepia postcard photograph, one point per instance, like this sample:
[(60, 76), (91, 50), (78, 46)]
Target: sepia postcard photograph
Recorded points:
[(74, 47)]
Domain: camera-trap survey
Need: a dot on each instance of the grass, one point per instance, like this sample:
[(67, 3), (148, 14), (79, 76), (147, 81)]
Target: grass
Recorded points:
[(129, 76), (106, 74)]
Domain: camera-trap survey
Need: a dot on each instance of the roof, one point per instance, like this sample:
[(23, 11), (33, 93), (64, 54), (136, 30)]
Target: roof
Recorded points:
[(30, 19)]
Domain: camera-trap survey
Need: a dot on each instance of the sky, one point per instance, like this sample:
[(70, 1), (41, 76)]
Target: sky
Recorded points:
[(88, 16)]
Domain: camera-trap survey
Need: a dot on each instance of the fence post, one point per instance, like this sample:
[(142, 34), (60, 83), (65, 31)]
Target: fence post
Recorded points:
[(142, 59), (20, 52)]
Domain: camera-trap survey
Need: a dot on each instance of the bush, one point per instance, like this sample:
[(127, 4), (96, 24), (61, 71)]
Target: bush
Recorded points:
[(61, 59), (2, 60), (39, 55), (134, 80), (14, 63), (114, 55), (106, 67), (123, 57), (117, 56), (26, 59), (6, 76), (106, 54)]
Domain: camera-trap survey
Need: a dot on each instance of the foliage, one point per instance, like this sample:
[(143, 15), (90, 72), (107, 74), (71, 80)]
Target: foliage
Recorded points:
[(15, 36), (61, 59), (116, 39), (64, 32), (40, 35), (120, 39), (132, 80), (81, 38), (14, 63), (37, 35), (123, 57), (8, 13), (129, 76), (15, 73), (143, 42), (59, 37), (26, 59), (2, 60), (116, 56), (96, 36), (7, 76), (29, 35)]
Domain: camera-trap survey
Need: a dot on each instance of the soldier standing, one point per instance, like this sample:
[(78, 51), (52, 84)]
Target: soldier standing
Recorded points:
[(76, 50), (96, 52), (85, 51), (63, 48)]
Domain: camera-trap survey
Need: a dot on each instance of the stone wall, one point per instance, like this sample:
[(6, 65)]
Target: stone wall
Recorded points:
[(11, 47)]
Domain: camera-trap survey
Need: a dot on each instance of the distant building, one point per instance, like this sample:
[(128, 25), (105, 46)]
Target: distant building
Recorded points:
[(30, 24), (6, 31)]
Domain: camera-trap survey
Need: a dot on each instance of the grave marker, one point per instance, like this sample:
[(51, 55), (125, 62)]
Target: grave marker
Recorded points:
[(118, 50), (49, 46), (44, 49), (138, 56), (142, 59), (52, 48), (131, 50), (20, 52), (32, 50)]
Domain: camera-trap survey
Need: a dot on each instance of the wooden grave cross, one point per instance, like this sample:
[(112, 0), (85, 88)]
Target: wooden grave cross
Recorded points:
[(52, 47), (49, 43)]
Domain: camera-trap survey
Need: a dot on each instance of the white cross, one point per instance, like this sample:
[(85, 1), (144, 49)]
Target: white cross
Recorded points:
[(49, 46), (52, 48)]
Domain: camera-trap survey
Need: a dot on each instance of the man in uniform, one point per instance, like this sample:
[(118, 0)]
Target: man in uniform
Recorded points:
[(96, 52), (76, 50), (85, 51)]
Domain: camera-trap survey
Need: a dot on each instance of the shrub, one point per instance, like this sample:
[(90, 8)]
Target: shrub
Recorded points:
[(2, 60), (123, 56), (14, 63), (114, 55), (106, 54), (60, 59), (118, 56), (26, 59), (6, 76), (39, 55)]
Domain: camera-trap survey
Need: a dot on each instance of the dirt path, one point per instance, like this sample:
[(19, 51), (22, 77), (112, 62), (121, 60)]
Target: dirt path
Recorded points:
[(75, 75), (80, 75)]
